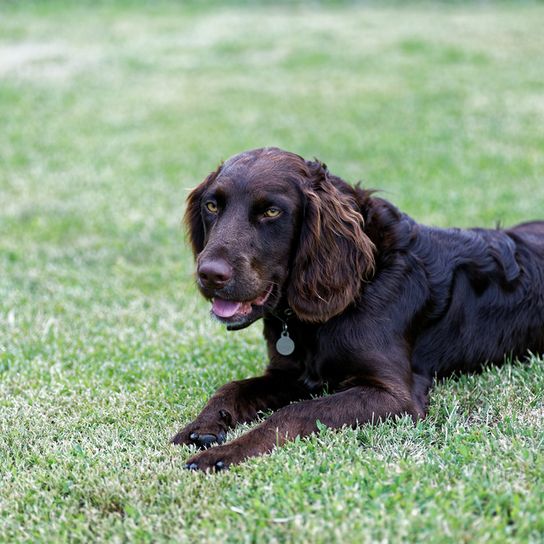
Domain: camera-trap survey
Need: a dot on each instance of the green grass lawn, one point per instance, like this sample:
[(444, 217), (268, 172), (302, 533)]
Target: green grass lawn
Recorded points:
[(107, 117)]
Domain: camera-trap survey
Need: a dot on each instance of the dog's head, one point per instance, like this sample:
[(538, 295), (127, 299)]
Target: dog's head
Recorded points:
[(269, 229)]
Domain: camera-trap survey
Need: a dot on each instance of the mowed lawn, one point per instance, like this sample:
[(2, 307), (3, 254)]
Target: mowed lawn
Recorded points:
[(107, 116)]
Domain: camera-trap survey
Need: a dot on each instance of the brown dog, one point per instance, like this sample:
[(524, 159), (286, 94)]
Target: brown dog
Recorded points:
[(354, 295)]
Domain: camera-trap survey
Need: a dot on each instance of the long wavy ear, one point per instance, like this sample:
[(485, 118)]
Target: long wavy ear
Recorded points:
[(334, 255), (193, 217)]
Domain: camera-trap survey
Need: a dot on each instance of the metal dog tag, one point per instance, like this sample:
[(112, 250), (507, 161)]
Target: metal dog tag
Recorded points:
[(285, 345)]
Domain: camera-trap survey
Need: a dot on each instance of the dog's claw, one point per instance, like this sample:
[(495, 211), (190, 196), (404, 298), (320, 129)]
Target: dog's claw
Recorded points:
[(202, 441), (206, 440), (218, 466)]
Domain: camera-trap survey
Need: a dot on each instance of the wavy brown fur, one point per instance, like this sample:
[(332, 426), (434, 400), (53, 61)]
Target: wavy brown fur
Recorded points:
[(334, 254), (377, 304)]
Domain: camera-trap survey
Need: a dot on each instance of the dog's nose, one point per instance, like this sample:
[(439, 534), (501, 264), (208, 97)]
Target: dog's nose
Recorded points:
[(214, 274)]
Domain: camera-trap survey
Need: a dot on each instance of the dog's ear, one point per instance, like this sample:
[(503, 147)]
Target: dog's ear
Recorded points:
[(193, 214), (334, 255)]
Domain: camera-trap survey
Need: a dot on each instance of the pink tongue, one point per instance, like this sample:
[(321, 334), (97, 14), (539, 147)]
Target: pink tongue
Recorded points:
[(225, 308)]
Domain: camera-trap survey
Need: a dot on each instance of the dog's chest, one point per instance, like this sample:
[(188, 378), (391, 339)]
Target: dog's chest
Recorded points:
[(323, 369), (312, 377)]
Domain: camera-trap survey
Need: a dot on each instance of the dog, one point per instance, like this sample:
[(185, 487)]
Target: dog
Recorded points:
[(356, 297)]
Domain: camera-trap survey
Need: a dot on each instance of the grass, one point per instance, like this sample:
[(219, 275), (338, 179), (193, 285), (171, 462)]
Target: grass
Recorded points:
[(107, 116)]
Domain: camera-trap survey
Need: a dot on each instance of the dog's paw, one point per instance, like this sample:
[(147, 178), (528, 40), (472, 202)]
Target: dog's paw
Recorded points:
[(204, 433), (215, 460)]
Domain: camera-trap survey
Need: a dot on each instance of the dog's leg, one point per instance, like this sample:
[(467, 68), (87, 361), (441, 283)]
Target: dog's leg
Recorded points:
[(351, 407), (240, 402)]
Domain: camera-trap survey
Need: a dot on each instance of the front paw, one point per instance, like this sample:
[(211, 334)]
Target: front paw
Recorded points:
[(216, 459), (204, 433)]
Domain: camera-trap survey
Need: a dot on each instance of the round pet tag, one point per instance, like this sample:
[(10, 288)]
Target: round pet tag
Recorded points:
[(285, 345)]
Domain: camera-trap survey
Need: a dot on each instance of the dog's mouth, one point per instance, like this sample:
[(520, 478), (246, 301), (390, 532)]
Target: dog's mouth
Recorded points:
[(234, 312)]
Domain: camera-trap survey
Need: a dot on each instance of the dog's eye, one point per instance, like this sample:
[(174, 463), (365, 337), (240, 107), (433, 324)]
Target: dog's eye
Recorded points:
[(211, 206), (272, 212)]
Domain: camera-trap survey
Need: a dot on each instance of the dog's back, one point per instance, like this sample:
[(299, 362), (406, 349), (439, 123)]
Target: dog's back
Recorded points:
[(490, 303), (532, 232)]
